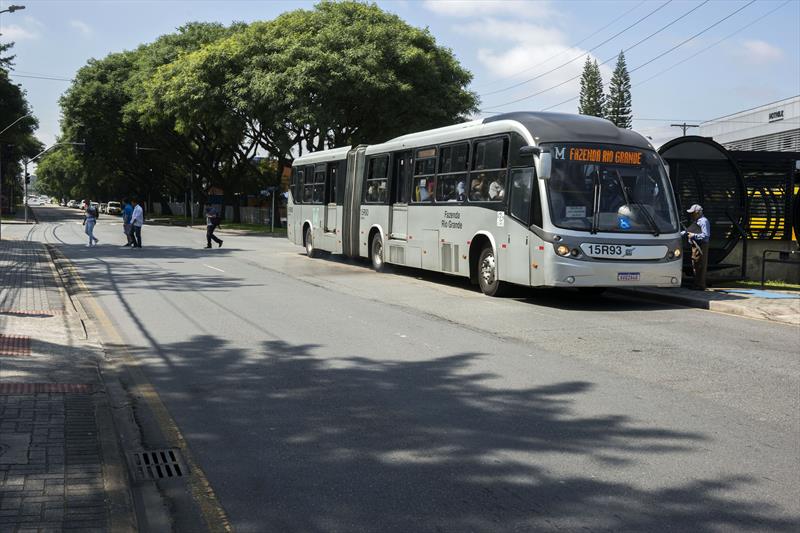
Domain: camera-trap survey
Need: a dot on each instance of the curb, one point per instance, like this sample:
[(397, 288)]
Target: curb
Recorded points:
[(729, 308), (116, 482)]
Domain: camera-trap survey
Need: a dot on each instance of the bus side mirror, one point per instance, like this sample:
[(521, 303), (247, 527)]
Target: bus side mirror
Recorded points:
[(544, 165)]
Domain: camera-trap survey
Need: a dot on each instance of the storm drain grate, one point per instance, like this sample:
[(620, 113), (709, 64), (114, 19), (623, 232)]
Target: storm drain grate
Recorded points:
[(157, 464), (15, 345)]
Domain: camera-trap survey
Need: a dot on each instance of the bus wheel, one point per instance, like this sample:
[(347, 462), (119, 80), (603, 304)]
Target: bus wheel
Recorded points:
[(376, 253), (310, 250), (487, 274)]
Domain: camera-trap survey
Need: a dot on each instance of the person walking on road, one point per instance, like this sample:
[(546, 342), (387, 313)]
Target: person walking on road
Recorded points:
[(127, 213), (699, 234), (137, 221), (89, 220), (212, 221)]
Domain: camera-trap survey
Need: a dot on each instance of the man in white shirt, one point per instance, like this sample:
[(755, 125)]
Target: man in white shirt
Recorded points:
[(137, 221)]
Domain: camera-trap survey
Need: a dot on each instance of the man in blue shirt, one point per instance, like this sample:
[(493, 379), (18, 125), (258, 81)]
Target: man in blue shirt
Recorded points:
[(699, 234), (127, 213)]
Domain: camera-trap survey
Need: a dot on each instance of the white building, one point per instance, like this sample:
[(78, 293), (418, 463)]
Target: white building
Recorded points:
[(772, 127)]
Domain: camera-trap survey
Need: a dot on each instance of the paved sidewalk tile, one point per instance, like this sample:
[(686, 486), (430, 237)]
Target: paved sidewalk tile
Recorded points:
[(51, 455)]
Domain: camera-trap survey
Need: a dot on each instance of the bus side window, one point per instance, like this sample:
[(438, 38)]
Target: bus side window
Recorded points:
[(376, 185), (489, 170), (297, 184), (308, 185), (521, 194), (451, 180), (425, 175)]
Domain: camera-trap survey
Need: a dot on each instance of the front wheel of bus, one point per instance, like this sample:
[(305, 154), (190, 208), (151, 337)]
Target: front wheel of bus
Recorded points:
[(309, 240), (376, 253), (487, 274)]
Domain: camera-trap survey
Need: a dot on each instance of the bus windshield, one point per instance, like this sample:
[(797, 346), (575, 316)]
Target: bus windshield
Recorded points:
[(609, 189)]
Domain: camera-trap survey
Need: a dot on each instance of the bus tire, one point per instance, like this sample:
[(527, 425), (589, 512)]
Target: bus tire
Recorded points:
[(487, 274), (376, 253), (309, 243)]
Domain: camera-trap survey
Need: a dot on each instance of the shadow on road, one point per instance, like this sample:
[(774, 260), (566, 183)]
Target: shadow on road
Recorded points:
[(557, 298), (355, 444)]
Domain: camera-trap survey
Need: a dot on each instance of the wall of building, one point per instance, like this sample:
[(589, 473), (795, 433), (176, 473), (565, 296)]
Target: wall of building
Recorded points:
[(771, 127)]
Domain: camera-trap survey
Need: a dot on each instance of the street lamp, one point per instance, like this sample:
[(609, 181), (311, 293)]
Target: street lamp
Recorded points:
[(12, 8)]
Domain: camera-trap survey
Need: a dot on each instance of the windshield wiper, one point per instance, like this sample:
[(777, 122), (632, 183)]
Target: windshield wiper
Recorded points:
[(628, 194), (598, 189)]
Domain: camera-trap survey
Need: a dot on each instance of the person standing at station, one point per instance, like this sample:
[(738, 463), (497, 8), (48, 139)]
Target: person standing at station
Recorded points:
[(137, 221), (699, 235), (212, 221), (127, 213)]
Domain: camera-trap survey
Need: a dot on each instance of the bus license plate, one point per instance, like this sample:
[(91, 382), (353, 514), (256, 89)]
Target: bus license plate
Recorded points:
[(628, 276)]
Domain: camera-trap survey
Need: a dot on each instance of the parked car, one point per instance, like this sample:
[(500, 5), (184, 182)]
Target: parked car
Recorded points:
[(103, 207), (114, 208), (72, 203)]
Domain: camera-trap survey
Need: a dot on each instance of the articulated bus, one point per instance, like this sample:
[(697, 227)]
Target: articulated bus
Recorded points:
[(534, 199)]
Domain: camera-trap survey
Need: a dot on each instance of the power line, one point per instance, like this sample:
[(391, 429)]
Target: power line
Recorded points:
[(582, 53), (40, 77), (770, 12), (634, 8), (659, 55), (623, 51)]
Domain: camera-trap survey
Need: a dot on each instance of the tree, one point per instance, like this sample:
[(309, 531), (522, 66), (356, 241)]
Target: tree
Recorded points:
[(17, 141), (592, 97), (618, 102)]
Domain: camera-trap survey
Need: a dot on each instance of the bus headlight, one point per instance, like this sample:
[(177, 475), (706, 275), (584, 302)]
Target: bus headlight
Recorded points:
[(677, 252), (562, 249), (674, 254)]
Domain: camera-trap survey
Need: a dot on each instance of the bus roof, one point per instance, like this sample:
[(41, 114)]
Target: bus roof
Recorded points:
[(573, 128), (322, 156), (539, 127)]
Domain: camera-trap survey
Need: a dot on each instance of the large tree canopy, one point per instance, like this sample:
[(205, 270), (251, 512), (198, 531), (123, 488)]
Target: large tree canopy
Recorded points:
[(17, 124), (208, 98)]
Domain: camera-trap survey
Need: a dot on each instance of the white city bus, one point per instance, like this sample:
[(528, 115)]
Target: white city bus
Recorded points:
[(536, 199)]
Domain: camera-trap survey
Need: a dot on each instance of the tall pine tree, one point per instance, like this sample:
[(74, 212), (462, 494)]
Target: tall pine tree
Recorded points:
[(618, 103), (592, 97)]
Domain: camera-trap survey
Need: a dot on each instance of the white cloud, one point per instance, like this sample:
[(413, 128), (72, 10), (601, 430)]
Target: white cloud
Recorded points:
[(756, 51), (18, 33), (473, 8), (81, 26), (533, 50)]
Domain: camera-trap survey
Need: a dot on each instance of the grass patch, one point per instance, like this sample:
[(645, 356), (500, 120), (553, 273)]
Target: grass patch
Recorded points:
[(769, 284)]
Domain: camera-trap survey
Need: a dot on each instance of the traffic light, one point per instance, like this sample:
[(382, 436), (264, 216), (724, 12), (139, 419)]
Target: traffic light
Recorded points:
[(27, 177)]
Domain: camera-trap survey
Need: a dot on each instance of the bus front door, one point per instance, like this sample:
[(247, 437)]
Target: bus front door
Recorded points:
[(330, 197), (401, 189)]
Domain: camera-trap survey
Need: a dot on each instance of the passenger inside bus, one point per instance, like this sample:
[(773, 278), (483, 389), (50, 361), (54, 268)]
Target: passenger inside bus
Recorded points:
[(422, 193), (477, 189), (497, 189)]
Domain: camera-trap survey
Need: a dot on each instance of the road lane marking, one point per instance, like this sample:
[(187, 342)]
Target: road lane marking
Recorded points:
[(214, 268)]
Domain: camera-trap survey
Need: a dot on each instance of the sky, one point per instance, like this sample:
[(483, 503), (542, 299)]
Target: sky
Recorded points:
[(690, 60)]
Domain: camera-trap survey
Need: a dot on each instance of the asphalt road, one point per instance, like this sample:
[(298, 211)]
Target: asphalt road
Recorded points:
[(318, 395)]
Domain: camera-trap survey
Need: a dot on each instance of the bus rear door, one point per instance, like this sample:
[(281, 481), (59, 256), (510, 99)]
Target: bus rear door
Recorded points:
[(330, 197), (401, 189)]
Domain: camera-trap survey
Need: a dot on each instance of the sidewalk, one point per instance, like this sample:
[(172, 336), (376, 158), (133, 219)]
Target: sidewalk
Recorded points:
[(773, 305), (60, 466)]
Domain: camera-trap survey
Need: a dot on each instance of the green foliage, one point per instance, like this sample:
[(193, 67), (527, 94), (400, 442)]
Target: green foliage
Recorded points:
[(592, 98), (618, 102), (209, 98), (17, 141)]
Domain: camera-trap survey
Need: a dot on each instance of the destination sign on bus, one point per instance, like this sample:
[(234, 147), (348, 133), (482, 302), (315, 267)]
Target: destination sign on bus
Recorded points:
[(602, 155)]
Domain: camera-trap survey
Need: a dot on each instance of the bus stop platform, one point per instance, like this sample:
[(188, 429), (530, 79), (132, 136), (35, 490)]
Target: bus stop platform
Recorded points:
[(774, 305)]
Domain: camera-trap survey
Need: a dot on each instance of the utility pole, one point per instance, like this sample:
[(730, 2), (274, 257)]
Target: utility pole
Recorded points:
[(25, 197), (685, 126)]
